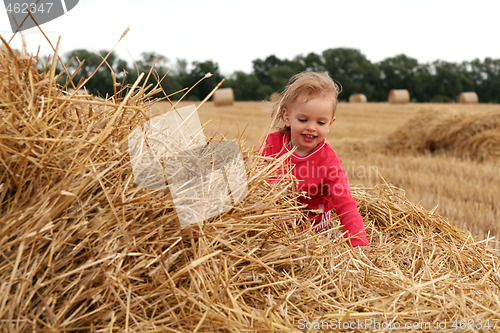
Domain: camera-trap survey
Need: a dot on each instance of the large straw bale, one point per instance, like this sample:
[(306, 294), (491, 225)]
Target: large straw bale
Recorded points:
[(461, 133), (224, 97), (399, 96), (84, 249), (357, 98), (468, 97)]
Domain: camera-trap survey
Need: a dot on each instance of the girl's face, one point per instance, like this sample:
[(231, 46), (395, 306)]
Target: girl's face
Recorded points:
[(309, 122)]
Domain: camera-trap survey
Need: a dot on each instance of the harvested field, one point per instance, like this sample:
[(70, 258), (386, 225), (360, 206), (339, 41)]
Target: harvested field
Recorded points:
[(83, 248)]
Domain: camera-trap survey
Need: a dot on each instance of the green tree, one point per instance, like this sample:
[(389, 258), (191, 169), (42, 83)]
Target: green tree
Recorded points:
[(246, 87), (203, 88), (274, 73), (155, 67), (177, 79), (484, 79), (352, 70), (398, 73), (312, 62), (180, 71), (261, 69), (101, 83), (491, 87), (437, 81), (280, 76), (447, 82), (422, 87)]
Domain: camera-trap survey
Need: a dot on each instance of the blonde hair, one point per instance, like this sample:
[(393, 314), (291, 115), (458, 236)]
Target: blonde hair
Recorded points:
[(304, 84)]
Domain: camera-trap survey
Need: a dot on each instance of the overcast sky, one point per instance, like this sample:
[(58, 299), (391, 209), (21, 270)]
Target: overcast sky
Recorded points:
[(232, 33)]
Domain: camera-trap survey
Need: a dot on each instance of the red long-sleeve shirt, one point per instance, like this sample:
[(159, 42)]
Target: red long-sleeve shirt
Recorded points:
[(323, 179)]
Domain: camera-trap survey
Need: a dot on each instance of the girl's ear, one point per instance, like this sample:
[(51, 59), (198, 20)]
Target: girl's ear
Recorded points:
[(286, 117), (331, 122)]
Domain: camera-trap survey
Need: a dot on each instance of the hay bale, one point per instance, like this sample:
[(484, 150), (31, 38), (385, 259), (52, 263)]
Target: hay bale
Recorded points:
[(461, 133), (223, 97), (275, 97), (357, 98), (468, 97), (83, 248), (399, 96)]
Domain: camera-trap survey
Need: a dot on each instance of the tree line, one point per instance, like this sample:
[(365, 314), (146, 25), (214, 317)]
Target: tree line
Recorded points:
[(438, 81)]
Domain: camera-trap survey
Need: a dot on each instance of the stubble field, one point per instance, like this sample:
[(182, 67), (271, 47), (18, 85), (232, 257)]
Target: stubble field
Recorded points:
[(464, 190)]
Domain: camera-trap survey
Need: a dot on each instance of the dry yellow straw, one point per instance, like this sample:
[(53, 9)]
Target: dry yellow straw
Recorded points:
[(84, 249), (465, 133)]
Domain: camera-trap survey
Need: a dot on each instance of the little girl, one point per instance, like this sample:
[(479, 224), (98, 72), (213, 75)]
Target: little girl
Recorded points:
[(304, 116)]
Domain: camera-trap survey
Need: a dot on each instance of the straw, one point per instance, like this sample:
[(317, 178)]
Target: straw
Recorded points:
[(465, 133), (83, 248)]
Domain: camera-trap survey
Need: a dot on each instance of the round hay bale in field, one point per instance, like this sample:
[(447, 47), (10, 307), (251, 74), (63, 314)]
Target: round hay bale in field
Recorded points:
[(399, 96), (275, 97), (468, 97), (224, 97), (357, 98)]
